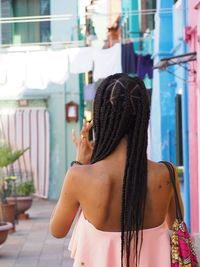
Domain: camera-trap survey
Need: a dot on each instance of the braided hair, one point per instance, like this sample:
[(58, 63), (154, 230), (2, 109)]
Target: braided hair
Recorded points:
[(121, 108)]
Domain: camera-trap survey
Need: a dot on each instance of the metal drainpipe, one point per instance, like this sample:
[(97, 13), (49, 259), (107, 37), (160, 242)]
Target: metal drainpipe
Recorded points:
[(185, 137), (81, 86)]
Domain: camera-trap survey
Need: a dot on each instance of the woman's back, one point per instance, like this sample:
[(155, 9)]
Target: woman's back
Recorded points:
[(96, 239), (99, 189), (118, 190)]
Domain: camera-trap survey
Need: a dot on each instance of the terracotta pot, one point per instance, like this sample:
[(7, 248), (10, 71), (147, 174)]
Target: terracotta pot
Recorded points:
[(4, 228), (8, 214), (22, 205)]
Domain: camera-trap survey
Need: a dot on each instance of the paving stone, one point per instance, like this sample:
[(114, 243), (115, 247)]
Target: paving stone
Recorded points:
[(49, 263), (32, 245), (67, 263), (7, 262)]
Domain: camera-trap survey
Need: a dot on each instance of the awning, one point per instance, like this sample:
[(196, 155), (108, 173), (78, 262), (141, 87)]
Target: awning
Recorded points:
[(175, 60)]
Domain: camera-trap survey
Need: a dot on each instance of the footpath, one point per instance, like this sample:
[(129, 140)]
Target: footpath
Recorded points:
[(32, 245)]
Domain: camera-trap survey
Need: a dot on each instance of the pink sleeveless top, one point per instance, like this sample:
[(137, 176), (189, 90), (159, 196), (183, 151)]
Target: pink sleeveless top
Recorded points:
[(91, 247)]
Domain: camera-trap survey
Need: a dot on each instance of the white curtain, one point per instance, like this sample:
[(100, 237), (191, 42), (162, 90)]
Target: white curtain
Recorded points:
[(24, 128)]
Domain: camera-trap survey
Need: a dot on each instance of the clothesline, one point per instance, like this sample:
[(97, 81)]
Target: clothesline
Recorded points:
[(41, 46), (70, 16), (136, 13), (60, 45), (27, 70)]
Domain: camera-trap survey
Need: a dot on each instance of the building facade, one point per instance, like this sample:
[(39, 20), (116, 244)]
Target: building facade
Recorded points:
[(193, 40), (169, 121), (54, 97)]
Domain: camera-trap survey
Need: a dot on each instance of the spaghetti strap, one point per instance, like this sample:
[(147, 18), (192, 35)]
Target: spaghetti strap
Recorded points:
[(170, 167)]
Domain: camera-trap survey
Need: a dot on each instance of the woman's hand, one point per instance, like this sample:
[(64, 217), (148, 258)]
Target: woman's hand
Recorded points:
[(84, 147)]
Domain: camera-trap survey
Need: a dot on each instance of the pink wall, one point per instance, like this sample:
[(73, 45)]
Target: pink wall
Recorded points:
[(193, 120)]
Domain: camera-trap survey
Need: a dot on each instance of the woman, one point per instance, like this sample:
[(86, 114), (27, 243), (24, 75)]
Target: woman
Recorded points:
[(126, 201)]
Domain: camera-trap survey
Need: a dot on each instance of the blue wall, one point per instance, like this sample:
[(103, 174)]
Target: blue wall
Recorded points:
[(132, 20), (179, 22), (169, 42), (163, 95)]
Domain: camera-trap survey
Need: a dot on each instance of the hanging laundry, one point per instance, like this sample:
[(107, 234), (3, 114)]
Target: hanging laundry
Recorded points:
[(13, 74), (89, 92), (144, 66), (45, 67), (129, 59), (107, 62), (56, 67), (35, 68), (3, 71), (80, 59)]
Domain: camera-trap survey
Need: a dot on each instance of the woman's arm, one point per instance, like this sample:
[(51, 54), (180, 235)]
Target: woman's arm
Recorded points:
[(66, 208), (171, 216), (68, 204)]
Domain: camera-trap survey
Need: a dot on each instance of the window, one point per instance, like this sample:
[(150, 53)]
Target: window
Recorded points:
[(179, 139), (45, 25), (25, 32), (6, 29)]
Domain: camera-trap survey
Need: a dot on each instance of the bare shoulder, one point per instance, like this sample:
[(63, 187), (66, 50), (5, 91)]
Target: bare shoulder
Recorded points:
[(80, 175), (161, 170), (158, 167), (88, 178), (158, 173), (77, 173)]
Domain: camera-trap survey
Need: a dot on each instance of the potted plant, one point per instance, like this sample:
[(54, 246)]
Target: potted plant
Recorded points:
[(4, 225), (23, 197), (7, 157)]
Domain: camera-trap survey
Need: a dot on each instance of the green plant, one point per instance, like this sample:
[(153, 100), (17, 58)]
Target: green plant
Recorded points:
[(7, 187), (7, 157), (25, 188)]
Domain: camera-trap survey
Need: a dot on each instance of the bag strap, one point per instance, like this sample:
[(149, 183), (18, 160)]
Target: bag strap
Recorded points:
[(170, 167)]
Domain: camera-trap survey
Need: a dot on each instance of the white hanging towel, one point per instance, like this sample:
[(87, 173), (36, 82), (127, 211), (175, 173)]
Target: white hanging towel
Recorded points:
[(81, 59), (36, 77), (56, 66), (107, 62), (12, 81), (3, 71)]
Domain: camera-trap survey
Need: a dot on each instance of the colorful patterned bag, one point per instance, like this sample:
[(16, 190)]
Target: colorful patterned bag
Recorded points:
[(182, 250)]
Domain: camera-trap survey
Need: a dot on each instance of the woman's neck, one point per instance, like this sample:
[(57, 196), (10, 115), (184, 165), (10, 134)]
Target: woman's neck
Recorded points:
[(119, 154)]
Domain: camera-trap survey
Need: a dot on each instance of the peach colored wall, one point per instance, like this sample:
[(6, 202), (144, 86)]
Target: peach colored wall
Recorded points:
[(114, 8)]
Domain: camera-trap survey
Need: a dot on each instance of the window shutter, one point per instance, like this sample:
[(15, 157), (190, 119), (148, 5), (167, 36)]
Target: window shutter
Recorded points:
[(6, 11), (45, 25)]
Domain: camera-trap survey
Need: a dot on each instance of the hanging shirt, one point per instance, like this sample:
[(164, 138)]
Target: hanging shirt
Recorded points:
[(57, 70), (129, 59), (46, 67), (89, 92), (35, 67), (80, 59), (12, 81), (145, 66), (107, 62), (3, 71)]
